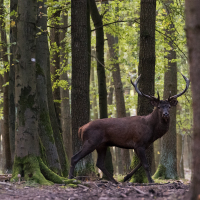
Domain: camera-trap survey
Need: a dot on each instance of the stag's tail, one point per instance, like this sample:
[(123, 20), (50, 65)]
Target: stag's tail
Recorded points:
[(80, 133)]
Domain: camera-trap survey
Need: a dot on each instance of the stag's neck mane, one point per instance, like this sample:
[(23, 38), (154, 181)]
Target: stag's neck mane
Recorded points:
[(155, 118), (159, 124)]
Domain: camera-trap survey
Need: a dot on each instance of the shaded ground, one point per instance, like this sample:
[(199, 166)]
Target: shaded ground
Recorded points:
[(92, 190)]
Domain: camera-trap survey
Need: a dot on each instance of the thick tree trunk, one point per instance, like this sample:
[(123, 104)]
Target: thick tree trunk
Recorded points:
[(119, 96), (4, 56), (147, 70), (27, 151), (80, 81), (193, 41), (97, 20), (13, 39), (45, 129), (168, 160), (26, 135)]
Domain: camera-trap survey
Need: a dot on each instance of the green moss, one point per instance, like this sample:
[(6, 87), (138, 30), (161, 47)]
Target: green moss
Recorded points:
[(29, 166), (45, 121), (35, 171), (87, 170), (42, 151), (140, 175), (160, 172), (49, 174)]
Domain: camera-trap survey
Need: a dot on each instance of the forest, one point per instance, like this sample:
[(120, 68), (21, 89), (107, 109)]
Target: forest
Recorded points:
[(76, 75)]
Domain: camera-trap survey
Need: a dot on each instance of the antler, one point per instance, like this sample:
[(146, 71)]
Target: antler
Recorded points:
[(178, 95), (141, 93)]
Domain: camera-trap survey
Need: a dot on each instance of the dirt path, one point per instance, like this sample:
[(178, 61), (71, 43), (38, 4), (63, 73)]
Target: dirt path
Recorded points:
[(101, 190)]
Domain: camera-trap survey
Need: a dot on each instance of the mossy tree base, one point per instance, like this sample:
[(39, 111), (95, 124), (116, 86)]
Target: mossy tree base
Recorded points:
[(86, 171), (140, 174), (160, 172), (34, 169)]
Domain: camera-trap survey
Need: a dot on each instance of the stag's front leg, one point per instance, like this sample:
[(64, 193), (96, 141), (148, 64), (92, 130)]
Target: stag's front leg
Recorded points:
[(141, 154)]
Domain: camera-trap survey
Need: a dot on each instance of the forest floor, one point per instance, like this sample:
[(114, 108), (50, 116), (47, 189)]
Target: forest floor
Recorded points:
[(96, 190), (93, 190)]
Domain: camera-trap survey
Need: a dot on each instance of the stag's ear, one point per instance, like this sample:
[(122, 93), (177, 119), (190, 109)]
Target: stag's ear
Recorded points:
[(173, 102), (155, 102)]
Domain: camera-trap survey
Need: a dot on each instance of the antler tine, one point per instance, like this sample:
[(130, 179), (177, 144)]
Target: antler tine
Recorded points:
[(138, 91), (186, 88)]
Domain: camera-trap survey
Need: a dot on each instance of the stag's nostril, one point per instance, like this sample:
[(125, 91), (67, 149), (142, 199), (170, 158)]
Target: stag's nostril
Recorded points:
[(165, 114)]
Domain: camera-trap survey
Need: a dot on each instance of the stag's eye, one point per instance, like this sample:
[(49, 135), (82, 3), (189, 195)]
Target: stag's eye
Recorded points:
[(158, 107)]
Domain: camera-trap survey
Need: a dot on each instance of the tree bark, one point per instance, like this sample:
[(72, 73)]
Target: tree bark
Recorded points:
[(11, 90), (4, 56), (27, 150), (26, 135), (193, 41), (1, 127), (80, 81), (180, 167), (147, 70), (168, 159)]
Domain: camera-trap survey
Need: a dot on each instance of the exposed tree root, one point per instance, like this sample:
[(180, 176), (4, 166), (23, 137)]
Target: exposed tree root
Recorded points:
[(33, 168)]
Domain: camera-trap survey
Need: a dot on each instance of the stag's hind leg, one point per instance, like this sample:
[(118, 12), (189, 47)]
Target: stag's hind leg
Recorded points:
[(86, 149), (101, 150)]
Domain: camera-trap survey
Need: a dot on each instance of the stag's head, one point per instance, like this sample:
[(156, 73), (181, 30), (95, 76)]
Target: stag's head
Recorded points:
[(162, 105)]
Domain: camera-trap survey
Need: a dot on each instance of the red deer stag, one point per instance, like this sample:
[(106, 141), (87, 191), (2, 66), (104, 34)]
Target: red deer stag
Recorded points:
[(136, 132)]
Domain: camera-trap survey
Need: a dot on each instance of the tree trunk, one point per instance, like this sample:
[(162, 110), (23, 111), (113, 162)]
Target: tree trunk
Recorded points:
[(147, 70), (180, 168), (64, 92), (4, 56), (1, 126), (13, 39), (80, 81), (93, 95), (193, 41), (168, 160), (119, 96), (55, 60), (97, 20), (45, 129), (27, 150), (157, 149), (26, 135)]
